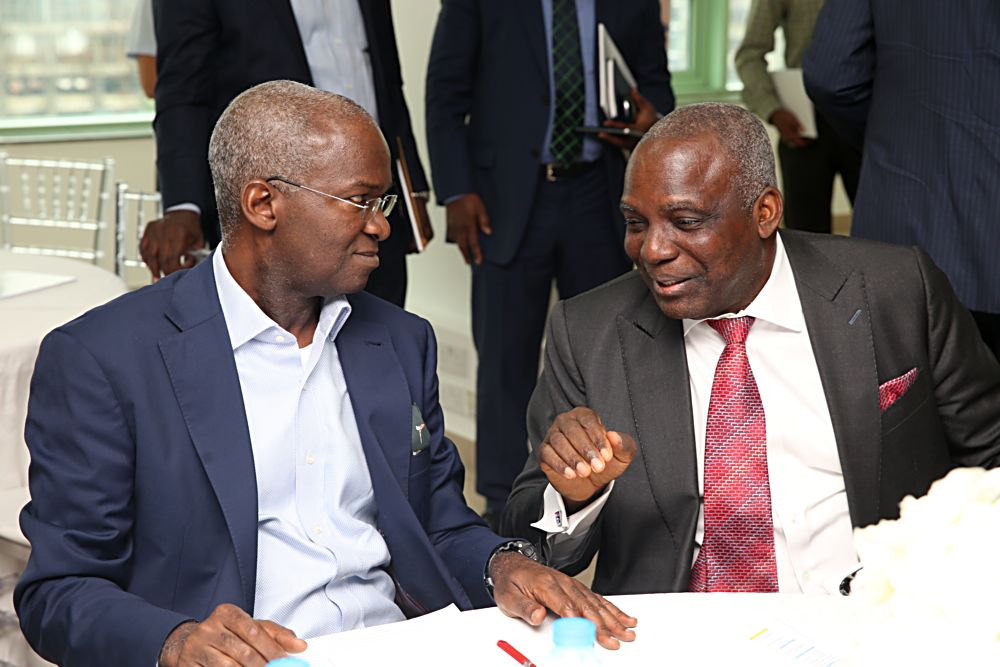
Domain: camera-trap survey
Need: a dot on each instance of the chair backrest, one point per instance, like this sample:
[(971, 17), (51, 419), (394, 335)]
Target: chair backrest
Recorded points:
[(133, 210), (54, 207)]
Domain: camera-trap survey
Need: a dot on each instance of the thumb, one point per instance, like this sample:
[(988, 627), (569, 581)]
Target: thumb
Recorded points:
[(523, 607), (622, 446), (484, 219)]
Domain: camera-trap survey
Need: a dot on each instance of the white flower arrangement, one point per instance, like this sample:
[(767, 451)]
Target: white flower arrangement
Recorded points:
[(930, 585)]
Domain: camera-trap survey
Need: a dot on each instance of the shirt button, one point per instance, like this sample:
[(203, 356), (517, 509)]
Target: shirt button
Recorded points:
[(338, 41), (309, 458), (318, 529), (279, 338)]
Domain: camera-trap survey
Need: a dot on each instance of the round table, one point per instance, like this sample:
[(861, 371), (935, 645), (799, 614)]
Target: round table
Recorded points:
[(26, 319)]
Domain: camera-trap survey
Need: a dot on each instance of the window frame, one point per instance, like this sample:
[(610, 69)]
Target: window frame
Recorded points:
[(705, 79)]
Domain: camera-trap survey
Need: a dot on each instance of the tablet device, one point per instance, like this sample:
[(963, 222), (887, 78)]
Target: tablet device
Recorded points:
[(613, 131)]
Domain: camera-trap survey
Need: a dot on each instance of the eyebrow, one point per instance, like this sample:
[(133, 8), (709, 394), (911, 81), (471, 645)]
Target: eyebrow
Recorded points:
[(666, 209)]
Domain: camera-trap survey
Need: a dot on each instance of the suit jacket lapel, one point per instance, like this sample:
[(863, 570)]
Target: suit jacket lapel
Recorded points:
[(654, 357), (836, 311), (202, 370), (285, 19), (533, 22), (382, 405)]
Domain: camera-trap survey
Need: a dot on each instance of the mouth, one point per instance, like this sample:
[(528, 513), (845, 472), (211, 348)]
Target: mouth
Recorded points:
[(368, 257), (669, 286)]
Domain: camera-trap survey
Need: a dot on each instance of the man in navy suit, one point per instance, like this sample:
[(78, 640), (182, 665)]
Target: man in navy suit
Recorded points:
[(256, 438), (530, 199), (918, 83), (209, 51)]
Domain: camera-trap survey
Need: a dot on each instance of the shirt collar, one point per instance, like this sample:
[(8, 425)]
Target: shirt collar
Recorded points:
[(777, 302), (245, 321)]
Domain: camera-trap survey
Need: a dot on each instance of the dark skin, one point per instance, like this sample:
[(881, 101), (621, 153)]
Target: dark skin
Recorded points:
[(700, 253), (290, 250), (789, 127), (467, 216)]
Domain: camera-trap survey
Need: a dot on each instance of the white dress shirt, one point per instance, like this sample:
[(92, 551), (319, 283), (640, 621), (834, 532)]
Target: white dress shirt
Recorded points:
[(321, 562), (812, 527)]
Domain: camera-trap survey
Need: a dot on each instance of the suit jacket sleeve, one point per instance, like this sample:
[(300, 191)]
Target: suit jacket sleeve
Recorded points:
[(560, 388), (965, 374), (187, 32), (839, 66), (650, 68), (70, 600), (451, 73), (458, 534)]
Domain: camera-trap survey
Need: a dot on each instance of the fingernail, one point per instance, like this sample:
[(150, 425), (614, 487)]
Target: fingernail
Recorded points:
[(568, 473), (607, 453), (582, 469), (597, 464)]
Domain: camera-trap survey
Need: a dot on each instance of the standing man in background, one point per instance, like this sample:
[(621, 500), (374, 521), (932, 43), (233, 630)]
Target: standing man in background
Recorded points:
[(808, 166), (529, 199), (212, 50), (918, 82)]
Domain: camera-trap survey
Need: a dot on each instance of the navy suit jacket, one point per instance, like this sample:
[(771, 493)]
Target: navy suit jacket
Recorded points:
[(489, 64), (918, 81), (144, 504), (210, 51)]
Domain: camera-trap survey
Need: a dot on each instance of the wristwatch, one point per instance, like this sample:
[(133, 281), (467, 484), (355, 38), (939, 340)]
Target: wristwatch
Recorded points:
[(523, 547)]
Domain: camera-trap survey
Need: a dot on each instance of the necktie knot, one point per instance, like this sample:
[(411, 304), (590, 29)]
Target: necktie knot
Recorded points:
[(734, 330)]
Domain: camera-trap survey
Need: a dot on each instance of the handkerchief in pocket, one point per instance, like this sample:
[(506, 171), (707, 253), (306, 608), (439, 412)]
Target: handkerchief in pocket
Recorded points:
[(419, 435), (890, 391)]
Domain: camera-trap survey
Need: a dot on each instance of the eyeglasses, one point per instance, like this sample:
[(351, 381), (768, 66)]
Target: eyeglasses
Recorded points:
[(384, 203)]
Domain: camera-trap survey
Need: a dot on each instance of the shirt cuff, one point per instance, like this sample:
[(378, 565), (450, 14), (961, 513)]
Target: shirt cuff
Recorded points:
[(555, 520), (185, 206)]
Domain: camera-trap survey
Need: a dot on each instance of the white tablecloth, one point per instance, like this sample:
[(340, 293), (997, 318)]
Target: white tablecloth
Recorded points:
[(24, 321), (674, 629)]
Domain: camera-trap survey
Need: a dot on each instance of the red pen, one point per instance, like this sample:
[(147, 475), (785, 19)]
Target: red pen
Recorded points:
[(514, 653)]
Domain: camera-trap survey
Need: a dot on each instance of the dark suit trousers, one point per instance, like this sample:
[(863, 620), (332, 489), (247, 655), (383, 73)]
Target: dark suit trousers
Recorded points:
[(572, 238), (389, 280), (807, 177)]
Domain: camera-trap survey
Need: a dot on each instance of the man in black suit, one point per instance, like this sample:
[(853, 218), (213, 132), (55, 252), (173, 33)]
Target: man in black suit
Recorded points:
[(918, 82), (530, 199), (209, 51), (858, 379)]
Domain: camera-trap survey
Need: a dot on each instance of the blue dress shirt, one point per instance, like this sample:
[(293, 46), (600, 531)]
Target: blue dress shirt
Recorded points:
[(321, 561)]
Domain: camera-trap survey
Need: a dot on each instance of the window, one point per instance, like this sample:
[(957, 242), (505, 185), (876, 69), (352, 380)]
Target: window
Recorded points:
[(62, 63)]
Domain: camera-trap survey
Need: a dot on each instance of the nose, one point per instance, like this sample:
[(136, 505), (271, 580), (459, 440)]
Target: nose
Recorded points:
[(377, 226), (659, 245)]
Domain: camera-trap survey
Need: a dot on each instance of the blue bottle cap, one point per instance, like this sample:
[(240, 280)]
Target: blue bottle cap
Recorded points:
[(573, 633), (288, 662)]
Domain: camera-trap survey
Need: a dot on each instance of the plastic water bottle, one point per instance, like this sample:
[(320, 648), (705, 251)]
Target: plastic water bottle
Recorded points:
[(573, 643), (288, 662)]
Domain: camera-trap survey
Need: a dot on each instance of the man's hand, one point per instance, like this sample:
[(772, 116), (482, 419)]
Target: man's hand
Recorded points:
[(789, 127), (580, 457), (645, 117), (167, 239), (466, 218), (228, 637), (525, 589), (424, 221)]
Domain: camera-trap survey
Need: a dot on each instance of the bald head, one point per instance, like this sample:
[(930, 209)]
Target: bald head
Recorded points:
[(741, 135), (273, 129)]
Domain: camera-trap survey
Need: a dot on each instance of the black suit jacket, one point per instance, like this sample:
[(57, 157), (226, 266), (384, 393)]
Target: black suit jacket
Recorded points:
[(488, 103), (210, 51), (919, 82), (613, 350)]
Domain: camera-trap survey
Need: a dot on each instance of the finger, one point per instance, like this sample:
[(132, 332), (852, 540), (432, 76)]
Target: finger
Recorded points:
[(151, 256), (213, 657), (463, 244), (477, 253), (622, 446), (284, 636), (250, 641), (584, 603), (518, 605), (170, 256), (585, 444), (597, 433), (548, 457), (484, 221), (569, 452)]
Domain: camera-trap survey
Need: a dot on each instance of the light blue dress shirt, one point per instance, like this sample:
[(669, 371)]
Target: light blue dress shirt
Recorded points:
[(587, 17), (321, 562), (336, 45)]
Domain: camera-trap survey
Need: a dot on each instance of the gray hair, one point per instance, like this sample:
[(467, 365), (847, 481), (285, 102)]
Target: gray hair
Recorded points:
[(268, 130), (742, 135)]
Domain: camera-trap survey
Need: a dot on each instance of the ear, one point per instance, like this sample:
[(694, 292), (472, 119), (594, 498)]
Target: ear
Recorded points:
[(259, 205), (767, 211)]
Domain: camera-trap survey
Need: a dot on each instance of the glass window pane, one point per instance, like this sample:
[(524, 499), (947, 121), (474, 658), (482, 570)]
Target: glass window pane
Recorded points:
[(66, 58), (677, 15)]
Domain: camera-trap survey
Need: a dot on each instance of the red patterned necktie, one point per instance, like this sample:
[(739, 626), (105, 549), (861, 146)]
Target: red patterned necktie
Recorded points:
[(737, 551)]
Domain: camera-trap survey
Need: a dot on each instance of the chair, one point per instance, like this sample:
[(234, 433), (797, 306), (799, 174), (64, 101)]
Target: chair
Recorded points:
[(133, 210), (54, 207)]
